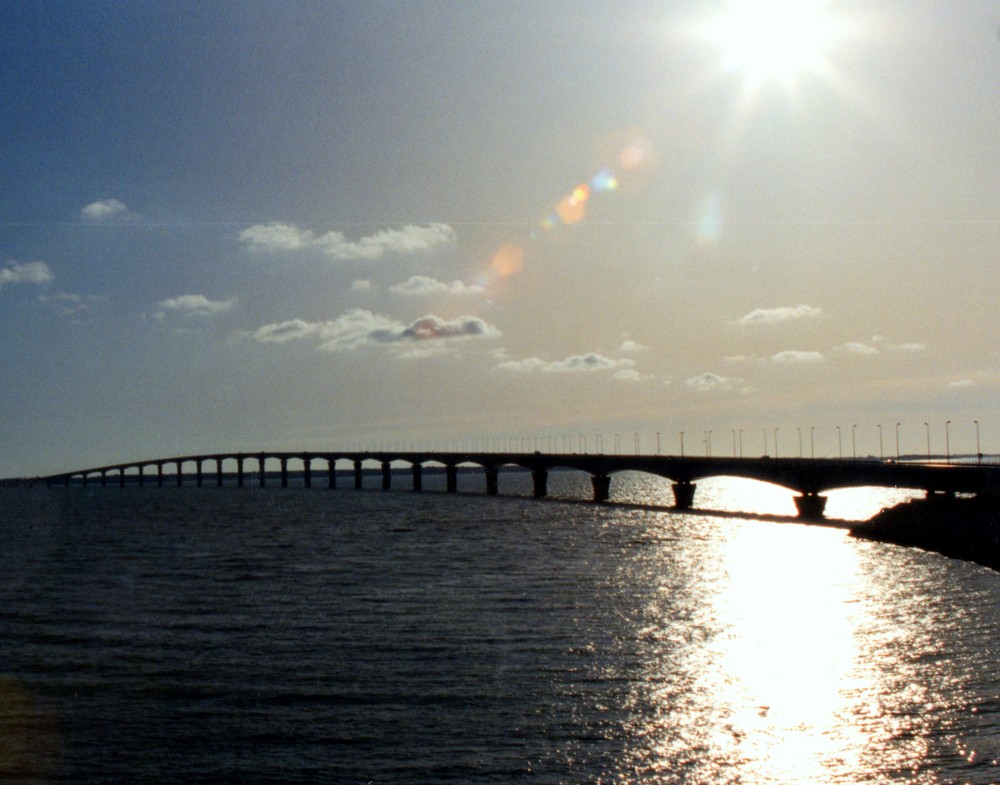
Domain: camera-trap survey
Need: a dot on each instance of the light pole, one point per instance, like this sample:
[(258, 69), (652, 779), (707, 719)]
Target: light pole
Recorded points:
[(741, 442), (812, 442), (657, 442), (775, 442), (979, 452), (927, 425), (897, 440), (854, 441), (840, 446), (797, 428), (880, 455), (682, 444), (947, 443)]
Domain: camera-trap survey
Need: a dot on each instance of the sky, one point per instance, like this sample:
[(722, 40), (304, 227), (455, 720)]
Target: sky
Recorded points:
[(235, 226)]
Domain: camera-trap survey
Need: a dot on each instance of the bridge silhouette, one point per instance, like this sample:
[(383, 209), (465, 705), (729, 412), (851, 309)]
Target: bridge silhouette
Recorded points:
[(808, 477)]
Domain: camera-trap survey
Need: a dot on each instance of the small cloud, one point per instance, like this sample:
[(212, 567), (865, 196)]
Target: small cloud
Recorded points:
[(712, 382), (911, 347), (280, 237), (961, 383), (792, 356), (421, 285), (27, 272), (359, 327), (856, 347), (66, 304), (778, 315), (630, 375), (361, 285), (742, 358), (574, 364), (628, 346), (104, 209), (193, 305)]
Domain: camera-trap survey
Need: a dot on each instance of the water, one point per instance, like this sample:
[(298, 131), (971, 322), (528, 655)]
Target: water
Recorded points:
[(285, 636)]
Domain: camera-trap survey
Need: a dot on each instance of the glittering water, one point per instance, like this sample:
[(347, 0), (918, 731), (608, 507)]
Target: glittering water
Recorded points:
[(226, 635)]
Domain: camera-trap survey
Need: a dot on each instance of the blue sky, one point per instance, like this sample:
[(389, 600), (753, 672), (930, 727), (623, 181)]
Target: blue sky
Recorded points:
[(303, 225)]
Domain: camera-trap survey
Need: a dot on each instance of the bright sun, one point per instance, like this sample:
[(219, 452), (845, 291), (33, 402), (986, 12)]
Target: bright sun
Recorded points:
[(773, 41)]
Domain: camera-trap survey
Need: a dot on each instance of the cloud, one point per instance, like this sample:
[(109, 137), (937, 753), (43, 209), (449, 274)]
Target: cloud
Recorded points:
[(792, 356), (67, 304), (857, 347), (280, 237), (712, 382), (361, 285), (103, 209), (574, 364), (194, 305), (911, 347), (961, 383), (628, 346), (777, 315), (421, 285), (27, 272), (359, 327)]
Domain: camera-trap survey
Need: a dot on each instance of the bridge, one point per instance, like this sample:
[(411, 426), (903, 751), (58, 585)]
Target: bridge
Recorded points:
[(808, 477)]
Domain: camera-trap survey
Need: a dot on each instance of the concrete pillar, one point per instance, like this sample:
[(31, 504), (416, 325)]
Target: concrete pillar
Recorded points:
[(810, 506), (492, 480), (239, 471), (358, 476), (386, 476), (284, 472), (418, 478), (218, 472), (684, 495), (199, 477), (180, 474), (602, 487), (260, 465), (451, 472), (540, 483), (159, 475), (66, 480), (307, 479), (121, 477), (142, 475), (104, 479), (85, 477), (331, 473)]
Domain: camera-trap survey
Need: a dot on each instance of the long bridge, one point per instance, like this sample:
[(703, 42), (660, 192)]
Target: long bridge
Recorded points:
[(808, 477)]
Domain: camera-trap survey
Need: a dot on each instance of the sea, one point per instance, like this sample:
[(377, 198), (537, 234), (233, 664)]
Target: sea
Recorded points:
[(269, 635)]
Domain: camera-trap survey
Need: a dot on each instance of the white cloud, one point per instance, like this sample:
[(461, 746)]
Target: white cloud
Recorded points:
[(911, 347), (628, 346), (573, 364), (103, 209), (361, 285), (27, 272), (68, 304), (777, 315), (712, 382), (421, 285), (280, 237), (359, 327), (961, 383), (857, 347), (792, 356), (194, 305)]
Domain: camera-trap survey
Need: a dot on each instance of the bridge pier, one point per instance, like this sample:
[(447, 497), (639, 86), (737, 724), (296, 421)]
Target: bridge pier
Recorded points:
[(451, 474), (684, 495), (418, 478), (239, 471), (121, 477), (331, 473), (602, 487), (260, 470), (199, 477), (284, 472), (180, 474), (159, 474), (540, 483), (810, 506), (142, 475), (218, 472), (492, 480), (307, 471), (386, 476), (358, 476), (104, 480)]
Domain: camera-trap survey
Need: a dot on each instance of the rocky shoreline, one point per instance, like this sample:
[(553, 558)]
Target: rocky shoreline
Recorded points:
[(962, 528)]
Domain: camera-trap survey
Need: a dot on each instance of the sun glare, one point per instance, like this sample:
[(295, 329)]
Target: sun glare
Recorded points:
[(774, 41)]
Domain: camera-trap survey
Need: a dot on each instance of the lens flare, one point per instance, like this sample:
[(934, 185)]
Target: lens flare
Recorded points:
[(507, 261)]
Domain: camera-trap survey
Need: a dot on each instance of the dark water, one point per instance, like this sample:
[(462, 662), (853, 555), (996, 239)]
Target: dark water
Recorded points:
[(268, 636)]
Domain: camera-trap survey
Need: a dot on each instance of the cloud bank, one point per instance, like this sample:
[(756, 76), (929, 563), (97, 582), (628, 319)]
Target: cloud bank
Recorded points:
[(574, 364), (422, 286), (283, 238), (359, 327), (778, 315)]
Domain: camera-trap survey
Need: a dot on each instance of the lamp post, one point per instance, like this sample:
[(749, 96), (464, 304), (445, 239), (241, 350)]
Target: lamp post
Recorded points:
[(947, 443), (979, 452), (854, 441), (682, 444), (880, 455), (812, 442), (797, 428), (927, 425), (741, 442), (657, 442), (775, 442), (840, 445), (897, 440)]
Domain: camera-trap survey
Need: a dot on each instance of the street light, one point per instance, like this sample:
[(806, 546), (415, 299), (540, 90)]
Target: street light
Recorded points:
[(741, 442), (775, 442), (657, 442), (897, 440), (682, 444), (947, 443), (812, 442), (927, 425), (979, 452), (840, 446), (880, 456), (854, 441)]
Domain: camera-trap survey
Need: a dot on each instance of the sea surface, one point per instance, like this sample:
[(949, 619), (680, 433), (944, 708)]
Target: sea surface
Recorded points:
[(226, 635)]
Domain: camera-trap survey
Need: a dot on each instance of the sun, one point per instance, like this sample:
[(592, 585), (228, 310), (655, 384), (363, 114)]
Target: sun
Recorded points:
[(774, 41)]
